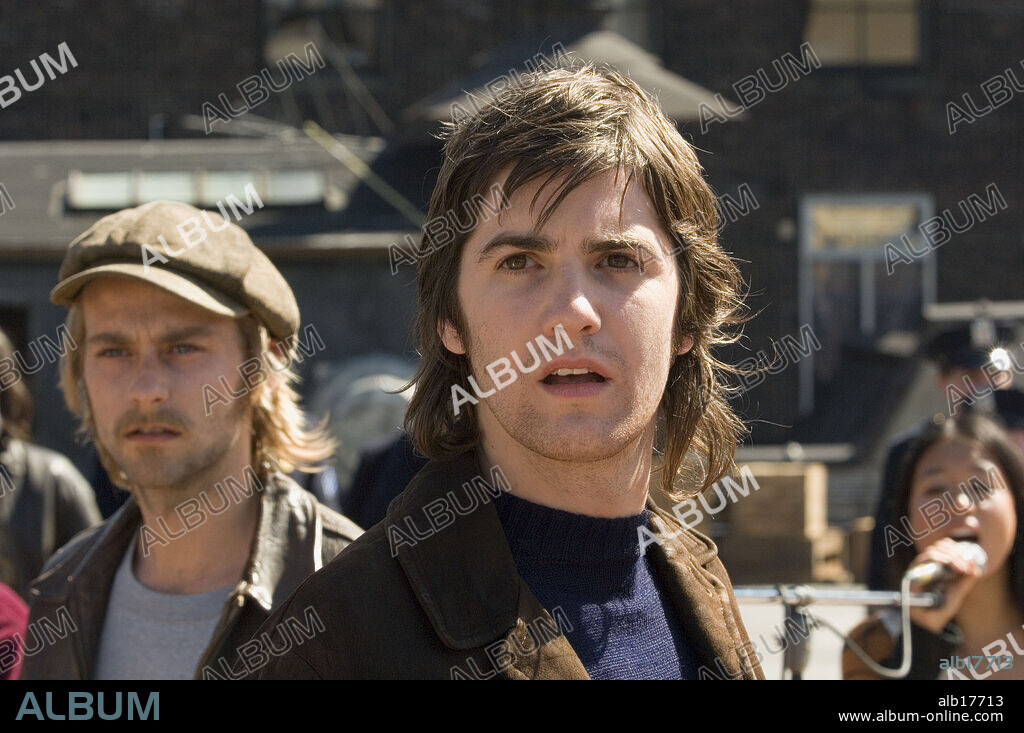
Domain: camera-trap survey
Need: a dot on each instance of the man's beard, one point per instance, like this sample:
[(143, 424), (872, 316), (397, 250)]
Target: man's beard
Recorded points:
[(175, 473)]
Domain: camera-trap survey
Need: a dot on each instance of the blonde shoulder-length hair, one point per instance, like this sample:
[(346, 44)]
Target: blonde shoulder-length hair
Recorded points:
[(282, 439)]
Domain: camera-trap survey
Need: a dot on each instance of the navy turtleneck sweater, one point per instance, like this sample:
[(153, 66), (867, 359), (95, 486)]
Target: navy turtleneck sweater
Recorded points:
[(622, 625)]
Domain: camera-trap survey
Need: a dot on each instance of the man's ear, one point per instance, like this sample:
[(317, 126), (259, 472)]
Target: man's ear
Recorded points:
[(686, 345), (450, 338), (277, 348)]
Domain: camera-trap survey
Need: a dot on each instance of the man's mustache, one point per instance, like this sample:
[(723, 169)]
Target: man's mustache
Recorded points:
[(166, 417)]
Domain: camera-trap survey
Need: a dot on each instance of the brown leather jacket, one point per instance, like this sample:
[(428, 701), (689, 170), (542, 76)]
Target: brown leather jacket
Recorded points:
[(295, 537), (452, 605)]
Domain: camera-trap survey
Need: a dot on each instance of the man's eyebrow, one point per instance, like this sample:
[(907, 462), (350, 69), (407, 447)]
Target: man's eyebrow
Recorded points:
[(108, 337), (592, 245), (532, 242), (114, 337), (616, 243)]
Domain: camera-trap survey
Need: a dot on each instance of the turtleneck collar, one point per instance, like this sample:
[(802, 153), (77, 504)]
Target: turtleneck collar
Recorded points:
[(540, 532)]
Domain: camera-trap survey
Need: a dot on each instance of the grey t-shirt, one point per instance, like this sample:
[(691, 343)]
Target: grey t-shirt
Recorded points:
[(154, 636)]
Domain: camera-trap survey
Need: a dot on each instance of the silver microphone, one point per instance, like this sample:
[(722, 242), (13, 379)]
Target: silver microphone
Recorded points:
[(932, 574)]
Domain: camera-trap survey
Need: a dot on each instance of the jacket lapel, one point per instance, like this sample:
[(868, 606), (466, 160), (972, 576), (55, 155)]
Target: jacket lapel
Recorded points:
[(466, 580), (700, 598), (286, 545), (85, 588), (458, 564), (539, 648)]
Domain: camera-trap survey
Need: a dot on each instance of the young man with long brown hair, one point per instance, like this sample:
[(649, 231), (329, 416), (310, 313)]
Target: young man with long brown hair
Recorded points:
[(571, 292), (181, 377)]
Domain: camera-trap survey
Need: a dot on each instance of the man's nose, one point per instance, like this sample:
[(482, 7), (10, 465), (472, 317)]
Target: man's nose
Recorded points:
[(572, 302), (149, 383)]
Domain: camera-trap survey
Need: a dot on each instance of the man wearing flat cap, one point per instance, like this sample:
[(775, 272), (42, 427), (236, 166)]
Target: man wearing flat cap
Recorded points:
[(214, 535)]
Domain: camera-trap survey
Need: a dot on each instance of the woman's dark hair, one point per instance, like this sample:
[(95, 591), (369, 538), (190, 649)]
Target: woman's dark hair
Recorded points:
[(15, 400), (993, 438)]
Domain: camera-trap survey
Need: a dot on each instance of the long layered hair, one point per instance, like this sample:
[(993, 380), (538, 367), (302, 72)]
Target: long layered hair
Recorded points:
[(575, 124), (281, 438), (990, 435)]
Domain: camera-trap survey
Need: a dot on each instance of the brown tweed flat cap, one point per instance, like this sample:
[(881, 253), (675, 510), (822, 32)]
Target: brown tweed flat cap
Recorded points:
[(196, 255)]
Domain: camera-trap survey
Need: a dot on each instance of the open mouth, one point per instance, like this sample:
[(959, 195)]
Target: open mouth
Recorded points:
[(964, 535), (572, 376)]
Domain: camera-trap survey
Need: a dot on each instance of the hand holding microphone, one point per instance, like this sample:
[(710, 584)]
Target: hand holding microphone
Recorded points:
[(933, 575), (949, 566)]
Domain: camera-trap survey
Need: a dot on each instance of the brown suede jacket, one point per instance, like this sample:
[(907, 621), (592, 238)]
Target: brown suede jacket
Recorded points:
[(432, 591), (68, 601)]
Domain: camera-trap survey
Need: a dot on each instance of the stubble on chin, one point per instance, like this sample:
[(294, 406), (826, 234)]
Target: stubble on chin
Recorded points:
[(178, 471), (558, 438)]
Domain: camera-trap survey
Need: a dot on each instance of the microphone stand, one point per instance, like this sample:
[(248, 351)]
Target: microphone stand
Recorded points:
[(796, 598)]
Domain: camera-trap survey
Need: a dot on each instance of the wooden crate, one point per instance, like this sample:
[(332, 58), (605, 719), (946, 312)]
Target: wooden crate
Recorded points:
[(859, 548), (761, 499), (791, 501)]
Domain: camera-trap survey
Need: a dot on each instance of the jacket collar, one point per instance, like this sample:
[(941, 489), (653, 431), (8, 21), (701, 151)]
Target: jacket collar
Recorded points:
[(83, 582), (284, 552), (466, 580), (462, 573), (700, 597), (287, 547)]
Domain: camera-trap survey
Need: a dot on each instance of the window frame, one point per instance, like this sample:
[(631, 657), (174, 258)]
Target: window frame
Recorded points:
[(867, 259)]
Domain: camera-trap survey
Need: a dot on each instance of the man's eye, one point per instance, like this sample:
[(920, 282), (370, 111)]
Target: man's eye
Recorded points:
[(111, 353), (516, 262), (620, 261), (185, 348)]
